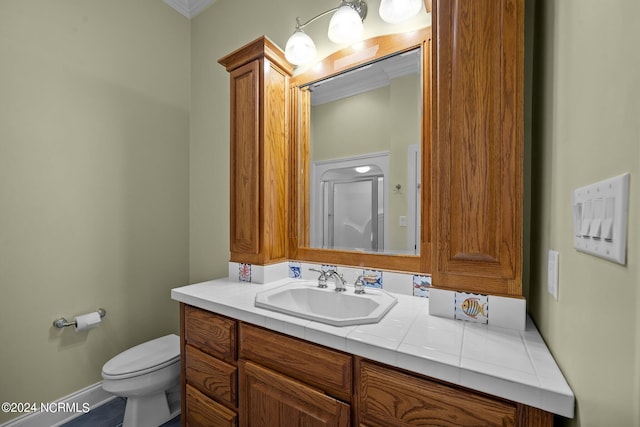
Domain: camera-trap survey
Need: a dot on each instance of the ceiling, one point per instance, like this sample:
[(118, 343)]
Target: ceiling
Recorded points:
[(189, 8)]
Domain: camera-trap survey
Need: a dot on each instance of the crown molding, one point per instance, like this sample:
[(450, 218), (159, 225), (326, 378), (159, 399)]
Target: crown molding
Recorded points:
[(189, 8)]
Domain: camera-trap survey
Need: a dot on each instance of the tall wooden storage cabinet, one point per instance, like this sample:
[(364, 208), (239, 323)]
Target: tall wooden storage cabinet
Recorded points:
[(478, 143), (259, 149)]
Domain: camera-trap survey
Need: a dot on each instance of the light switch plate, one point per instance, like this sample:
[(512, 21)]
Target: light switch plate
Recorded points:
[(600, 215)]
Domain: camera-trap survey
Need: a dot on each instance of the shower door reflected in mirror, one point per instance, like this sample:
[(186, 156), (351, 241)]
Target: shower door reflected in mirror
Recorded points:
[(355, 205), (353, 209)]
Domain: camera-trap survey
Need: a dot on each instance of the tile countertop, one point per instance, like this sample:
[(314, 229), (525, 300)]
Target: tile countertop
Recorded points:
[(515, 365)]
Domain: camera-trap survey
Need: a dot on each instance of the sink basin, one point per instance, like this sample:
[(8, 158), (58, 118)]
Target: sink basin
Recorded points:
[(307, 301)]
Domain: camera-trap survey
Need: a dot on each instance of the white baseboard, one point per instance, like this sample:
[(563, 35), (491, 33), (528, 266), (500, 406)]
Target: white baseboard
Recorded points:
[(71, 406)]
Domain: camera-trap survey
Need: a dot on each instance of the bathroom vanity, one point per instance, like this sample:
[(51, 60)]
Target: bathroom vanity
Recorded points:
[(244, 365)]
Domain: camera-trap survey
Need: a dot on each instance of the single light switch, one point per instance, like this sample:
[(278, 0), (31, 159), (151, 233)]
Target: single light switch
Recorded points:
[(586, 218), (607, 223), (577, 219), (598, 215)]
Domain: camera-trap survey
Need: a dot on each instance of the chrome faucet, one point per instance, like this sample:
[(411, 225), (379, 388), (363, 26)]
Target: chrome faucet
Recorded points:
[(338, 279), (359, 285)]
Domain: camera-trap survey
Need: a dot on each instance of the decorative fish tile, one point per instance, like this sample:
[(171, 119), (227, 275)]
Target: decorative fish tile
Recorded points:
[(372, 278), (244, 272), (471, 307), (295, 270), (421, 285)]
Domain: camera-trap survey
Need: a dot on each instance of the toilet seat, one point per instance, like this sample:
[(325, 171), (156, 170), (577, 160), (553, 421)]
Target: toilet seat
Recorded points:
[(144, 358)]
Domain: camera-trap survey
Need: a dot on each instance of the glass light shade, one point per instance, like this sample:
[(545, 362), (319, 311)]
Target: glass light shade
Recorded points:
[(396, 11), (345, 26), (300, 49)]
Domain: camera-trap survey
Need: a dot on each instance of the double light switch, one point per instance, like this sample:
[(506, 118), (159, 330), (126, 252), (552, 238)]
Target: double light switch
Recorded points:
[(600, 213)]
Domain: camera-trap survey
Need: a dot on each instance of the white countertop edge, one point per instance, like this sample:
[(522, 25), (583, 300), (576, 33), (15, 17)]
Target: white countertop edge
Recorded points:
[(559, 400)]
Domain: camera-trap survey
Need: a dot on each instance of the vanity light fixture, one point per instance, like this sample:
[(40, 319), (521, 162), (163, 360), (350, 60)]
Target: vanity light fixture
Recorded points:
[(346, 26), (396, 11), (363, 169)]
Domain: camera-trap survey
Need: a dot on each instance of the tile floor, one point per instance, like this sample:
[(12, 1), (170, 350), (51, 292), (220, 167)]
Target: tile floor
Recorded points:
[(109, 415)]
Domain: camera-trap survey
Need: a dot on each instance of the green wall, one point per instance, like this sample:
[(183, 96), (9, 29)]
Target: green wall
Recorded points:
[(94, 133), (586, 127)]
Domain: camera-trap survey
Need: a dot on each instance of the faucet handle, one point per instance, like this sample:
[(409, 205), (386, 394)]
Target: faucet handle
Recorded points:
[(359, 285), (322, 279)]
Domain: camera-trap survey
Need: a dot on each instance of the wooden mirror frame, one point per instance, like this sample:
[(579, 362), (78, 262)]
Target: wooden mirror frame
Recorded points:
[(342, 60)]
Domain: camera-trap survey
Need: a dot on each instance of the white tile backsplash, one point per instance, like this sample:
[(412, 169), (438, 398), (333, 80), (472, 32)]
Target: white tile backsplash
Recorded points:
[(505, 312), (442, 303), (508, 312), (398, 283)]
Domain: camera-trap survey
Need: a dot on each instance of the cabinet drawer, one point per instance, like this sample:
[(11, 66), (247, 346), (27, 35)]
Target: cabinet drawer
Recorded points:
[(211, 376), (204, 412), (391, 398), (326, 369), (211, 333), (272, 399)]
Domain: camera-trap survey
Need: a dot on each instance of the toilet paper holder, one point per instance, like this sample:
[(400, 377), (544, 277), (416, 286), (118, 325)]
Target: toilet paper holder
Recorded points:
[(63, 323)]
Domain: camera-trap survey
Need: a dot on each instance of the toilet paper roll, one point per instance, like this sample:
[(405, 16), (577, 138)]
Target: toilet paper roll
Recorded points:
[(88, 321)]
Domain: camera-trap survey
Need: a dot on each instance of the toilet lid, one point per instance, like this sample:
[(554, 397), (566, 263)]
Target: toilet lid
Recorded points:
[(149, 356)]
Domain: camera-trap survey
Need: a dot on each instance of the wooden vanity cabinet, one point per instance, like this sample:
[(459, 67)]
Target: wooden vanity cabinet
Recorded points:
[(237, 374), (258, 152)]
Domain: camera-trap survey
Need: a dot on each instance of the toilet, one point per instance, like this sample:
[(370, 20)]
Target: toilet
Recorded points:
[(148, 375)]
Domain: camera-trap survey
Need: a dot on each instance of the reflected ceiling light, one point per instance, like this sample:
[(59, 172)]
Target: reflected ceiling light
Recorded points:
[(345, 27), (396, 11)]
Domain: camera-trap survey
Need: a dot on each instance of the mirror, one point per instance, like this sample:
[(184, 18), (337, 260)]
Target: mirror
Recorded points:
[(364, 157), (361, 121)]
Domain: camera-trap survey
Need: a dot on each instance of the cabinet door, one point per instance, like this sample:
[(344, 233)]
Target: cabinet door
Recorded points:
[(245, 163), (478, 145), (389, 398), (269, 399)]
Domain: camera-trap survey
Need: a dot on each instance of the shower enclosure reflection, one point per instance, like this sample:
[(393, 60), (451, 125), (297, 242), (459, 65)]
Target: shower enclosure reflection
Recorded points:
[(352, 208)]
